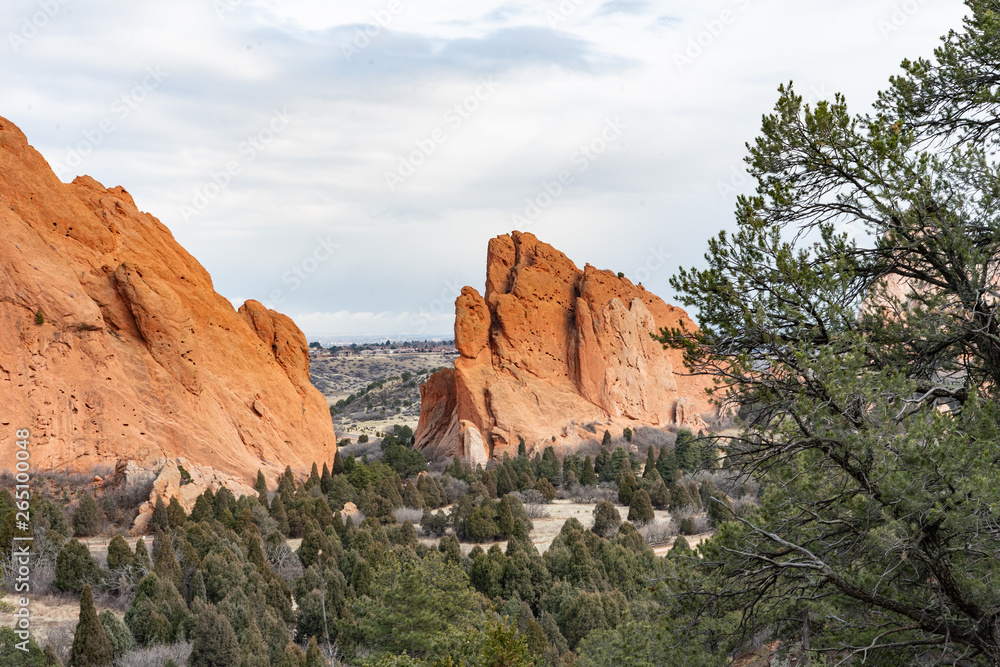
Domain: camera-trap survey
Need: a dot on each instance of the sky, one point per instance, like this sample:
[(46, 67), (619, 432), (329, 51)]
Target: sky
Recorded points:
[(346, 162)]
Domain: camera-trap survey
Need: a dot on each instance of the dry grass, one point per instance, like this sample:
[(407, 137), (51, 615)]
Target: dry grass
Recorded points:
[(410, 514), (659, 532), (156, 656)]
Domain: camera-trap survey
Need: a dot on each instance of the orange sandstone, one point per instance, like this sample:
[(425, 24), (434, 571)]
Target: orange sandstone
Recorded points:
[(138, 357), (555, 355)]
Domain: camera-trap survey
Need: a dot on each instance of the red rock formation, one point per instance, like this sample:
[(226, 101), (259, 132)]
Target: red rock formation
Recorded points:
[(553, 351), (138, 357)]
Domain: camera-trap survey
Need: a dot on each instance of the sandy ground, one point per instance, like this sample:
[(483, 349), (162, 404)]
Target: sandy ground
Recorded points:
[(547, 529)]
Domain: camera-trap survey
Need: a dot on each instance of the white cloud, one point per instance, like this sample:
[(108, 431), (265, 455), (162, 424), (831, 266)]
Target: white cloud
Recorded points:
[(401, 252)]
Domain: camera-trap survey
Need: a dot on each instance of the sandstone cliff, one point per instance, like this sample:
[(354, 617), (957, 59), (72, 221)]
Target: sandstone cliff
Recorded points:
[(138, 357), (554, 355)]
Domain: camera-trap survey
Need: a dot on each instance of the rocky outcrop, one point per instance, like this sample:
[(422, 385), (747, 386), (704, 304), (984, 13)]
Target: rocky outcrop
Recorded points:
[(133, 354), (553, 355), (175, 478)]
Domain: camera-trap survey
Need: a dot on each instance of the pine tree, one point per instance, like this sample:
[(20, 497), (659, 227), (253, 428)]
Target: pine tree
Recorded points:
[(627, 485), (118, 634), (680, 498), (245, 523), (292, 657), (451, 549), (204, 507), (684, 452), (314, 656), (141, 560), (506, 482), (679, 548), (87, 518), (313, 480), (338, 464), (253, 648), (544, 486), (165, 562), (606, 519), (601, 460), (75, 567), (650, 466), (278, 514), (119, 554), (161, 518), (505, 517), (666, 465), (587, 475), (215, 643), (224, 501), (659, 495), (606, 439), (325, 480), (198, 587), (260, 486), (640, 511), (408, 536), (286, 486), (176, 513), (91, 646)]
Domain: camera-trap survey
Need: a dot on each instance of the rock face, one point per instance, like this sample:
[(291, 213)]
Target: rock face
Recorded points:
[(169, 482), (138, 357), (554, 355)]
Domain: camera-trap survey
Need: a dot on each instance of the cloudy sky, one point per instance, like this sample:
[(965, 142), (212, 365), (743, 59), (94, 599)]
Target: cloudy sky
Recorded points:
[(346, 162)]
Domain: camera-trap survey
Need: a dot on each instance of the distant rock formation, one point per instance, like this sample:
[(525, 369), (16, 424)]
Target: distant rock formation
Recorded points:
[(114, 344), (555, 355), (167, 480)]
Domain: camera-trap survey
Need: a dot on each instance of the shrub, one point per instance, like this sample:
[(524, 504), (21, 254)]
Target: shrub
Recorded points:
[(410, 514), (606, 519), (434, 523), (75, 567), (120, 556), (680, 548), (39, 318), (215, 643), (658, 532), (162, 655), (688, 526), (14, 657), (544, 486), (640, 512), (87, 518), (627, 485), (118, 634)]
